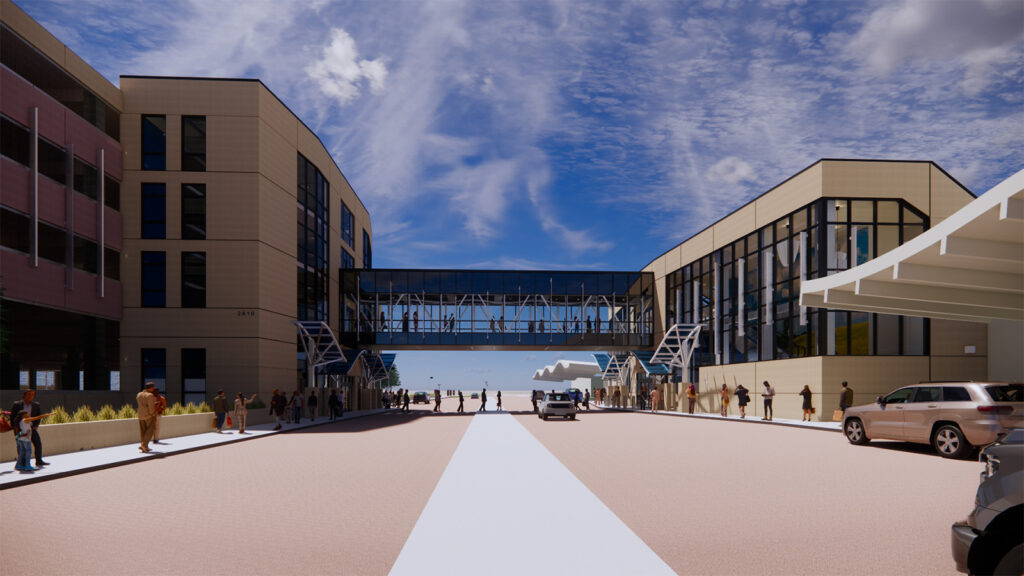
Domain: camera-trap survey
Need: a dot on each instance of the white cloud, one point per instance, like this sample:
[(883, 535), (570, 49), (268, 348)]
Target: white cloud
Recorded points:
[(732, 170), (339, 73), (981, 35)]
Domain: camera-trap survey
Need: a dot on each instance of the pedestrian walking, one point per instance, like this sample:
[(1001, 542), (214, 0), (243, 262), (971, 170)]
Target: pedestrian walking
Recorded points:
[(277, 405), (655, 398), (743, 395), (499, 400), (405, 321), (807, 406), (724, 394), (332, 404), (147, 413), (405, 401), (220, 409), (461, 400), (28, 402), (586, 400), (769, 396), (312, 403), (483, 401), (296, 406), (617, 398), (691, 397), (845, 397), (161, 405), (575, 400), (242, 410), (437, 400)]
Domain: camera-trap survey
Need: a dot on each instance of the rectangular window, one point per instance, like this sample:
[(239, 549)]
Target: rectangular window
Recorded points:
[(154, 367), (193, 211), (52, 243), (193, 279), (347, 226), (193, 375), (52, 161), (347, 260), (367, 251), (154, 210), (14, 231), (111, 263), (86, 255), (46, 380), (86, 179), (111, 192), (193, 143), (154, 142), (154, 279), (15, 141), (115, 380)]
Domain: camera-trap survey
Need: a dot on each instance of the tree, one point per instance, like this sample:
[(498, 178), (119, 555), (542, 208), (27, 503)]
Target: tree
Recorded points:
[(394, 378)]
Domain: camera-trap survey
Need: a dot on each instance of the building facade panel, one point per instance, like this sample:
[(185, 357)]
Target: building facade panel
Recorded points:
[(866, 179), (800, 190)]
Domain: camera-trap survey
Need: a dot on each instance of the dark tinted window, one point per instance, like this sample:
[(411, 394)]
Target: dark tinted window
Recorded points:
[(193, 143), (111, 192), (86, 256), (347, 261), (900, 396), (154, 143), (193, 211), (193, 375), (154, 210), (347, 226), (52, 162), (927, 394), (14, 231), (955, 394), (15, 141), (52, 243), (193, 279), (111, 263), (86, 179), (154, 279), (154, 367), (367, 251), (1006, 392)]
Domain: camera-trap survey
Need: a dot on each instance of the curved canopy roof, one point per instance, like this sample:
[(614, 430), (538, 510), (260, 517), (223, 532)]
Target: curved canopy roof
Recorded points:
[(970, 267), (567, 370)]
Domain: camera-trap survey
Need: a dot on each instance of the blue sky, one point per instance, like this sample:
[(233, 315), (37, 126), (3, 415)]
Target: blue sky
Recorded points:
[(591, 135)]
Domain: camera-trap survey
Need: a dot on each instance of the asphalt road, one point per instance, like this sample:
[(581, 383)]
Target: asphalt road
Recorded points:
[(707, 496)]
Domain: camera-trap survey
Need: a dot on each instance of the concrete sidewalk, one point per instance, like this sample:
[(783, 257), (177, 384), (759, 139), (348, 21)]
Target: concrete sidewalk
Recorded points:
[(72, 463), (830, 426)]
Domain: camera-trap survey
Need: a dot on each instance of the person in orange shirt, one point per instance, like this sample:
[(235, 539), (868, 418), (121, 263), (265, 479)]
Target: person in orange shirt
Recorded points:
[(161, 405), (691, 396)]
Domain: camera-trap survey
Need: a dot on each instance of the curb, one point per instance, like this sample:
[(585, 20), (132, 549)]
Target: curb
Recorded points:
[(143, 457), (720, 419)]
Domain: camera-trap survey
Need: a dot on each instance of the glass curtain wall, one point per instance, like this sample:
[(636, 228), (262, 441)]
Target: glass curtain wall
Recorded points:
[(747, 294), (495, 308), (312, 278)]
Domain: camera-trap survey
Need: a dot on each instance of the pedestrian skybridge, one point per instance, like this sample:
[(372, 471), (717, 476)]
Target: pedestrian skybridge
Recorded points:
[(496, 310)]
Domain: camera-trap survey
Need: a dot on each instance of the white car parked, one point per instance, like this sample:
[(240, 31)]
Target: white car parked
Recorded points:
[(556, 404)]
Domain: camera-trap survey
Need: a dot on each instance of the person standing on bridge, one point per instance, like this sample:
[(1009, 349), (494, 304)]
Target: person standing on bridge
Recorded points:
[(483, 401), (415, 321), (541, 326), (499, 400), (461, 400), (405, 321)]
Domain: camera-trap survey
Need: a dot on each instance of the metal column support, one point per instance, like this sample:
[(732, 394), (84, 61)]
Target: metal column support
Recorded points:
[(34, 163), (741, 297), (101, 221)]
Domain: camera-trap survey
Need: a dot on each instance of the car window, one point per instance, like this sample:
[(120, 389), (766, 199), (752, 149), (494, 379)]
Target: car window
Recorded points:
[(955, 394), (927, 394), (1006, 392), (900, 396), (558, 397)]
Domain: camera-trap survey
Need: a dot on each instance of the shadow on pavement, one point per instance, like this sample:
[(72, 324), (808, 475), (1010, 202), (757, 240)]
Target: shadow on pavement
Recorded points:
[(911, 448)]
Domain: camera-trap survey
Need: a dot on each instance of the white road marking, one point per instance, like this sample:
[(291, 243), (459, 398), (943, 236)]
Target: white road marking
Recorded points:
[(506, 505)]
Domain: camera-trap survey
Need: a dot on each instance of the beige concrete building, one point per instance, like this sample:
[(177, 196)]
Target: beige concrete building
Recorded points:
[(740, 277), (237, 222)]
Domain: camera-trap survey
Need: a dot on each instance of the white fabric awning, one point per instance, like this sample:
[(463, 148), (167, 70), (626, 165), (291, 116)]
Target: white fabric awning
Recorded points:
[(969, 267), (567, 370)]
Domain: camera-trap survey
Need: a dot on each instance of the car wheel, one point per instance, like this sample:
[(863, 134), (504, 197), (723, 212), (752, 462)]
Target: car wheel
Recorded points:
[(1012, 562), (950, 442), (545, 417), (572, 417), (854, 431)]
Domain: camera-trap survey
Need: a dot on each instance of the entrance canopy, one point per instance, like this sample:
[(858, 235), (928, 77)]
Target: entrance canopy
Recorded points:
[(567, 370), (614, 367), (969, 267), (677, 346), (319, 343), (645, 358)]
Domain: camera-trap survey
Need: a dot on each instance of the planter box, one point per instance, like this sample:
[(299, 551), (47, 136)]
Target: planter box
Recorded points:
[(77, 436)]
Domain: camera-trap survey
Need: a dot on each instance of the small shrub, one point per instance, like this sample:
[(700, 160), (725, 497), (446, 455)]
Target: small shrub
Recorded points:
[(191, 408), (127, 411), (176, 409), (204, 407), (84, 414), (60, 416), (106, 412)]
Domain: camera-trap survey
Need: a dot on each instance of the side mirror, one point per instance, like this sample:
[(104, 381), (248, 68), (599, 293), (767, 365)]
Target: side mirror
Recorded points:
[(880, 400)]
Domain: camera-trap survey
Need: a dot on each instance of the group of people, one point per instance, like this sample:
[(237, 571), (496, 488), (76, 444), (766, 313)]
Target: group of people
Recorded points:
[(287, 410), (768, 395)]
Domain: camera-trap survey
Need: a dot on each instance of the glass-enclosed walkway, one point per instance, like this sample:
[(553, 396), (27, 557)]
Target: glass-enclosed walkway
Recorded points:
[(495, 310)]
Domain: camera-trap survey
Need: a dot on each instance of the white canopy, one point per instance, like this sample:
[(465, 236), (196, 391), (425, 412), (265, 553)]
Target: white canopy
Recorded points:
[(970, 267), (567, 370)]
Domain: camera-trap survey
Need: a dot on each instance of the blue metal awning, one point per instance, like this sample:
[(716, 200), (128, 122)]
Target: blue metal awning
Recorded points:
[(341, 368), (644, 357)]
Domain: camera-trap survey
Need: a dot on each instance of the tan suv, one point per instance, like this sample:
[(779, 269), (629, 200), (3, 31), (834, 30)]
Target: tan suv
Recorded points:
[(954, 417)]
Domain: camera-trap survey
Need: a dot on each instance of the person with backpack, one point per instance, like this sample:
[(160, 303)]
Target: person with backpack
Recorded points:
[(744, 397)]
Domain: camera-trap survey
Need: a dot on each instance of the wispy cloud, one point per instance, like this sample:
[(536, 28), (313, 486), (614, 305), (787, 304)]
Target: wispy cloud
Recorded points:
[(340, 72)]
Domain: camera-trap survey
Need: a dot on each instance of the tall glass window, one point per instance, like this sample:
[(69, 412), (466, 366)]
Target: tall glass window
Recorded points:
[(154, 142), (193, 211), (347, 226), (193, 375), (193, 279), (312, 225), (193, 143), (154, 279), (154, 367), (367, 251), (154, 210), (347, 260), (747, 293)]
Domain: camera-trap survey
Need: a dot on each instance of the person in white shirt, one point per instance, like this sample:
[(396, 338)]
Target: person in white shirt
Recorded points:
[(768, 395)]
